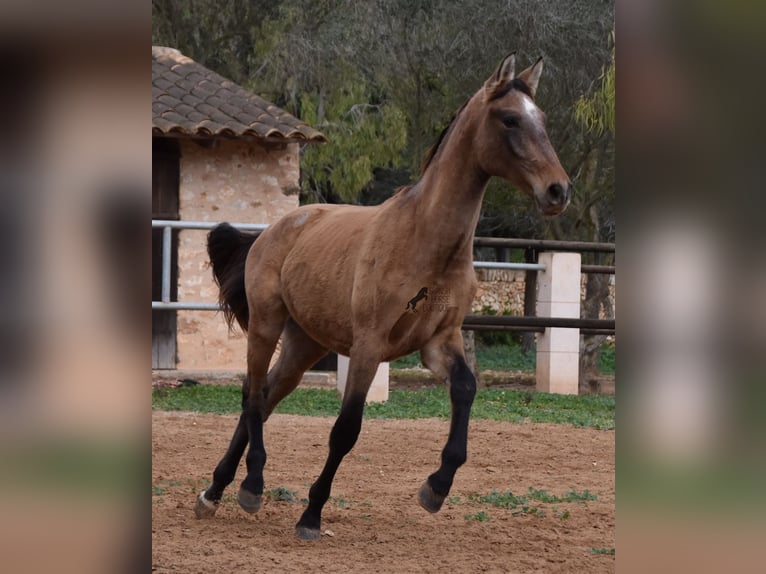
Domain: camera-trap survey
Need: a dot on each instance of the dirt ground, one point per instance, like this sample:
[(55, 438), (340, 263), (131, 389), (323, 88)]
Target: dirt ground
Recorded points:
[(373, 522)]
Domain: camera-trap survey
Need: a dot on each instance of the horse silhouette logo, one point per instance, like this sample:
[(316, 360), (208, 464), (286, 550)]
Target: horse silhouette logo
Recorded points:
[(412, 303)]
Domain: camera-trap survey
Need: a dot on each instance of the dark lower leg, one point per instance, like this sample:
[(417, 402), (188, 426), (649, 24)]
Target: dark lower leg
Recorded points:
[(256, 456), (261, 342), (342, 439), (227, 468), (462, 392)]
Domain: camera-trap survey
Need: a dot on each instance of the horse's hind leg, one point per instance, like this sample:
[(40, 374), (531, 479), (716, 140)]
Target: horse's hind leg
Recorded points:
[(208, 500), (445, 357), (267, 319), (299, 352)]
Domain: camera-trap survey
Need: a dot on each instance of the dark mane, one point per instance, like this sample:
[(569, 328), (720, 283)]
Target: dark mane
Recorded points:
[(431, 153), (515, 84)]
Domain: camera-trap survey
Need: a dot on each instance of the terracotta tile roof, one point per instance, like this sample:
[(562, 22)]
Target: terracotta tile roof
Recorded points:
[(189, 99)]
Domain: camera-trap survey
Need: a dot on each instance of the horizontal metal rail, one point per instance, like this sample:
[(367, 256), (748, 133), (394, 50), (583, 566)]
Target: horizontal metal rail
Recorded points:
[(543, 322), (167, 225), (521, 329), (504, 265), (544, 244), (184, 306), (605, 269), (179, 224)]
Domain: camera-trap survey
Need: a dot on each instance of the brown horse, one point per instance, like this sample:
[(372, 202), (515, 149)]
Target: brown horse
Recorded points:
[(341, 278)]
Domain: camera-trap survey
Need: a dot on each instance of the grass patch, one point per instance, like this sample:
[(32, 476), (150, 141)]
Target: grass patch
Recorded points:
[(508, 356), (522, 504), (490, 358), (340, 502), (603, 551), (510, 500), (490, 404), (281, 494), (478, 517)]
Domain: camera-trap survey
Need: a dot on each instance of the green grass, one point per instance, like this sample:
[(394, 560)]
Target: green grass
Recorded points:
[(520, 505), (490, 404), (509, 357), (490, 358), (603, 551), (478, 517), (282, 494)]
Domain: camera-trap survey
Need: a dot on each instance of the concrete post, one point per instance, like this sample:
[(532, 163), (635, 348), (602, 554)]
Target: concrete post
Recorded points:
[(378, 392), (558, 350)]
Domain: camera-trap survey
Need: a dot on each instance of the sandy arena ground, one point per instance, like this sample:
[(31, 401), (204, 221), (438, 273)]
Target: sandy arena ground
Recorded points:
[(373, 522)]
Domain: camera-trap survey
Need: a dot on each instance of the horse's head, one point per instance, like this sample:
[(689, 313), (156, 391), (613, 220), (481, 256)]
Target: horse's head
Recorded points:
[(511, 140)]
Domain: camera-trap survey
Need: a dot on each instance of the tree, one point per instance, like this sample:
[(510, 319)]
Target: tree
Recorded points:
[(596, 114)]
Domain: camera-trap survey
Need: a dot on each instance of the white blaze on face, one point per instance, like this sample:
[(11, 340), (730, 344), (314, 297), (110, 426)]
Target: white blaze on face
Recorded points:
[(530, 109)]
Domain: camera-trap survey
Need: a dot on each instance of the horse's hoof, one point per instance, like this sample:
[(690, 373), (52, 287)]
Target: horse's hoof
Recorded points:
[(249, 502), (204, 508), (428, 499), (305, 533)]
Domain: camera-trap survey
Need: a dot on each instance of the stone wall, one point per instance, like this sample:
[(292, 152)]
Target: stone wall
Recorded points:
[(503, 290), (244, 182)]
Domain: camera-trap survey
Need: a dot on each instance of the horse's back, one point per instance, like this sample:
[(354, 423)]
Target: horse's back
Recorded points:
[(310, 256)]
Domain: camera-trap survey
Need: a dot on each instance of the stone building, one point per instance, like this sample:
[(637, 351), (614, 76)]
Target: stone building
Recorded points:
[(219, 153)]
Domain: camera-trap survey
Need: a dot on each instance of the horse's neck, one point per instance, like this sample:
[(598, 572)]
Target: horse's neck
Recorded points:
[(449, 201)]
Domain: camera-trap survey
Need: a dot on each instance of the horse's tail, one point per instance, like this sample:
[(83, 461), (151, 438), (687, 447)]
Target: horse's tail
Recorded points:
[(228, 249)]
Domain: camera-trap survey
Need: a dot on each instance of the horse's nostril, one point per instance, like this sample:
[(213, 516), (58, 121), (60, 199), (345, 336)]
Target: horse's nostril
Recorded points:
[(556, 193)]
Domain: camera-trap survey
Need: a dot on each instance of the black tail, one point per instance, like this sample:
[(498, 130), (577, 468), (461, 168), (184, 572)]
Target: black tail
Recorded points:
[(228, 248)]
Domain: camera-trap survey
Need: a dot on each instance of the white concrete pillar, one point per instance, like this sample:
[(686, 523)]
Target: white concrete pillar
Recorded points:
[(378, 392), (558, 349)]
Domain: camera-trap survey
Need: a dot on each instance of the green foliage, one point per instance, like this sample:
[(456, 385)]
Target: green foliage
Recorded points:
[(362, 136), (478, 516), (491, 404), (492, 338), (410, 66), (508, 357), (407, 362), (596, 113), (607, 359)]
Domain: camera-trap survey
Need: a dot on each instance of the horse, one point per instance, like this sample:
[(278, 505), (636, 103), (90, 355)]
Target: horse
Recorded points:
[(339, 278)]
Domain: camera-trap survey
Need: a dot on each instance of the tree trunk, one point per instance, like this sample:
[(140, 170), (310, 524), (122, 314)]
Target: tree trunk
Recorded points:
[(529, 339), (596, 297), (596, 290)]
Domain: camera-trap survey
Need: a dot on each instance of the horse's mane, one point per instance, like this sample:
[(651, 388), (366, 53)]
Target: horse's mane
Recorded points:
[(515, 84), (431, 153)]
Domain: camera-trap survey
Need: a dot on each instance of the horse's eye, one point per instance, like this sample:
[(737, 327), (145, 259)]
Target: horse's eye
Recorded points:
[(511, 121)]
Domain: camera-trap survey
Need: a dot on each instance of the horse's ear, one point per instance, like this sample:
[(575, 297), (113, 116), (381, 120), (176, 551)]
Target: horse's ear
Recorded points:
[(531, 76), (505, 73)]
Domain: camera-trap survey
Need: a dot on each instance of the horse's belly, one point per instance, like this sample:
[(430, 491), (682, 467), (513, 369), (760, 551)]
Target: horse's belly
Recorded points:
[(321, 305)]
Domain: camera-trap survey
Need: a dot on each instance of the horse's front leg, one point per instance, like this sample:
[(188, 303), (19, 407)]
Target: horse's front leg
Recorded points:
[(447, 360), (343, 436)]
